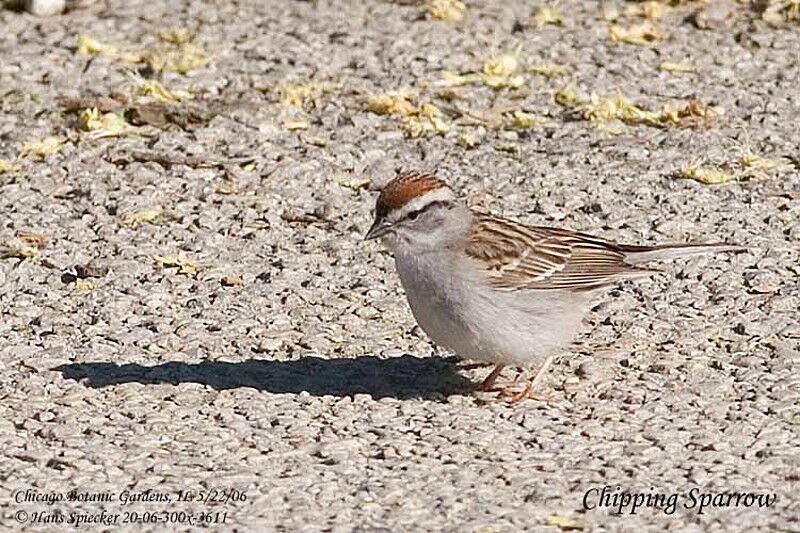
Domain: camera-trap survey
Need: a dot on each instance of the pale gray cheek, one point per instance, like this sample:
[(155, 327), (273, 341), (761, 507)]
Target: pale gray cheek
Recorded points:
[(392, 240), (436, 223)]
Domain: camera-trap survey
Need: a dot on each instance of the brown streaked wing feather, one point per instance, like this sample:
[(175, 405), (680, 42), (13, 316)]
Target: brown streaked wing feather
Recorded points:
[(518, 256)]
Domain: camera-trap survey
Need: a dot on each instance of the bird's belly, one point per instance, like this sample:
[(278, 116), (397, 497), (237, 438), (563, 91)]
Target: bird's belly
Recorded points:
[(478, 322)]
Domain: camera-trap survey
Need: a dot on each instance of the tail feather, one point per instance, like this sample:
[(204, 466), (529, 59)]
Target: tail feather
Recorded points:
[(642, 254)]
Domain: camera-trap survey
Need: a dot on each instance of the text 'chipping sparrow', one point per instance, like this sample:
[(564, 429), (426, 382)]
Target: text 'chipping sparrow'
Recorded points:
[(495, 290)]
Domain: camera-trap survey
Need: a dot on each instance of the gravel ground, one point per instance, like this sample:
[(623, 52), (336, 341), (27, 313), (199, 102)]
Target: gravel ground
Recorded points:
[(275, 354)]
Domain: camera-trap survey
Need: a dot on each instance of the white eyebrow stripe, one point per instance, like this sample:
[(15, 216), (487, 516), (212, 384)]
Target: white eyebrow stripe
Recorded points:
[(437, 195)]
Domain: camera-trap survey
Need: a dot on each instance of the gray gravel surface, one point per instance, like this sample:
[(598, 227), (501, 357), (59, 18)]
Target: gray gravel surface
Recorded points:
[(288, 367)]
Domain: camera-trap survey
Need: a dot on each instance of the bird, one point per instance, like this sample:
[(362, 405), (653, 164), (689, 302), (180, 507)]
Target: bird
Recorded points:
[(496, 290)]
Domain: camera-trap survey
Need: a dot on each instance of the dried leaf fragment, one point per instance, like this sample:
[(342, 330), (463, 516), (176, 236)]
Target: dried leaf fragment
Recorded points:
[(692, 110), (103, 125), (638, 34), (36, 240), (650, 10), (468, 140), (669, 66), (502, 65), (549, 70), (524, 120), (176, 54), (751, 161), (708, 174), (746, 166), (177, 35), (617, 107), (497, 72), (600, 110), (502, 71), (392, 103), (450, 10), (295, 124), (564, 523), (42, 148), (567, 97), (754, 166), (548, 14), (417, 119), (176, 58), (159, 92), (18, 250), (179, 260), (354, 183), (451, 79), (428, 119), (296, 95), (84, 285), (301, 95), (228, 188), (89, 46), (5, 166), (149, 215)]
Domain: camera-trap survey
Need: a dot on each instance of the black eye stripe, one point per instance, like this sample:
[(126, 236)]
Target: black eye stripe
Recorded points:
[(414, 214)]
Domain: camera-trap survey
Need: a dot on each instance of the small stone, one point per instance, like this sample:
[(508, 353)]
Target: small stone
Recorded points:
[(45, 416), (719, 14), (268, 345), (368, 312), (509, 136), (231, 281), (45, 8), (90, 271)]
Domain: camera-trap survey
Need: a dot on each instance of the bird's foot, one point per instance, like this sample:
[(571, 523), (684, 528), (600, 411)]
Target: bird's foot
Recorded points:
[(512, 395), (487, 385)]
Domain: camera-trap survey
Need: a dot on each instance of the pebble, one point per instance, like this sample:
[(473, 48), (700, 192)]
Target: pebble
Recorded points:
[(45, 8)]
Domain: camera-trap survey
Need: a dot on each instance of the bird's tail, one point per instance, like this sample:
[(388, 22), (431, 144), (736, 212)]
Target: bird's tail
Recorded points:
[(643, 254)]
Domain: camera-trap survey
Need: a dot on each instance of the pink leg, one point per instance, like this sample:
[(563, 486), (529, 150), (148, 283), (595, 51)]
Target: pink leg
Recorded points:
[(488, 383), (529, 392)]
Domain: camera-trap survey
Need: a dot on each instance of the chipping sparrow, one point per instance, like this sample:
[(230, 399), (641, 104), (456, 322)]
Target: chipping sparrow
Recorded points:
[(495, 290)]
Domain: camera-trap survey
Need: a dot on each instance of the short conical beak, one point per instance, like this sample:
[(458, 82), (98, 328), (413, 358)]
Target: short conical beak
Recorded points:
[(379, 228)]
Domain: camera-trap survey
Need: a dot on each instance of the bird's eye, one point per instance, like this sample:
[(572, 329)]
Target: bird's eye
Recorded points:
[(413, 215)]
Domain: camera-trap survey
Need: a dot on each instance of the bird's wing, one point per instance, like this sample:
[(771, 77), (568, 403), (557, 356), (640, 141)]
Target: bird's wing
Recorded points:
[(517, 256)]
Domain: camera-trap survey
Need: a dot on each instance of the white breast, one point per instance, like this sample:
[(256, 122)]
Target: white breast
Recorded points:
[(459, 311)]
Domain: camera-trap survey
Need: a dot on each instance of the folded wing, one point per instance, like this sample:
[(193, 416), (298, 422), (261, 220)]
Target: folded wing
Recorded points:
[(517, 256)]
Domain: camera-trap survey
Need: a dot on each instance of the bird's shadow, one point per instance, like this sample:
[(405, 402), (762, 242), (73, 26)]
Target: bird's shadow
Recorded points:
[(397, 377)]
